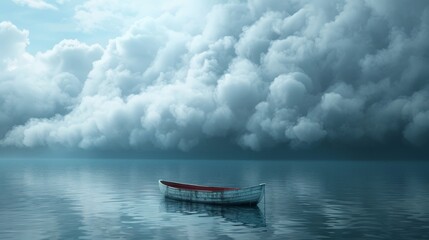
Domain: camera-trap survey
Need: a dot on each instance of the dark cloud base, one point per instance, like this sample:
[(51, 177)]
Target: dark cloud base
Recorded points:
[(219, 149)]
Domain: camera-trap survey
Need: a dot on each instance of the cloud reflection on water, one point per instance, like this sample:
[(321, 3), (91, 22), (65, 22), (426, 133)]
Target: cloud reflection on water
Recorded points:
[(102, 199)]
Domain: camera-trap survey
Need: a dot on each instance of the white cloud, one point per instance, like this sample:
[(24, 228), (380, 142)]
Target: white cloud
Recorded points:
[(62, 1), (42, 85), (115, 15), (13, 41), (306, 131), (38, 4)]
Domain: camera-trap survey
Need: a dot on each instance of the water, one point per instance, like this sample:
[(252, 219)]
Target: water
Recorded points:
[(119, 199)]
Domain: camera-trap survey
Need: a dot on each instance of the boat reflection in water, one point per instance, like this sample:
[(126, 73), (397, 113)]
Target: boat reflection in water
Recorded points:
[(250, 216)]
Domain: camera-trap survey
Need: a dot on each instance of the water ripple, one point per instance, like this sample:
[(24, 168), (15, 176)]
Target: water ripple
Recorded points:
[(111, 199)]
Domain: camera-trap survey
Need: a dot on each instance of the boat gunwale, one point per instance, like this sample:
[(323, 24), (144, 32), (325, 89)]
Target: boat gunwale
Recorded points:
[(201, 188)]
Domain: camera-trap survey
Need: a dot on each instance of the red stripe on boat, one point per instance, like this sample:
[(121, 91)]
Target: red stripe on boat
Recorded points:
[(196, 187)]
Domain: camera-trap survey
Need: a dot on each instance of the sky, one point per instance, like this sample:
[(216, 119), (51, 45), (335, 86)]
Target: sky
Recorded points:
[(186, 75)]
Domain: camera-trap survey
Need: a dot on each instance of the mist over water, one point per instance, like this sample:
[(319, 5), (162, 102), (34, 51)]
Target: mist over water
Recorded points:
[(111, 199)]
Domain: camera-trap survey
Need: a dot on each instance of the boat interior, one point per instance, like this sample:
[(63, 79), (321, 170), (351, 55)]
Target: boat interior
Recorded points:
[(196, 187)]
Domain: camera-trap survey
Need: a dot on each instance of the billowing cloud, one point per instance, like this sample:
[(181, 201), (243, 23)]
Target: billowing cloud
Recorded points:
[(256, 73), (42, 85), (13, 41)]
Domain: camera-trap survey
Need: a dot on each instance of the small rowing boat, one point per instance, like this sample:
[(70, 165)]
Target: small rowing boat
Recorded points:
[(212, 195)]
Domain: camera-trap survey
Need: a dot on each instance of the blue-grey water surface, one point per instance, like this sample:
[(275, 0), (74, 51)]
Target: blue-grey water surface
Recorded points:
[(120, 199)]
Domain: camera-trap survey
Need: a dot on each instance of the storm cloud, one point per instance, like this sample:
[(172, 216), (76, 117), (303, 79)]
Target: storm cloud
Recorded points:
[(257, 73)]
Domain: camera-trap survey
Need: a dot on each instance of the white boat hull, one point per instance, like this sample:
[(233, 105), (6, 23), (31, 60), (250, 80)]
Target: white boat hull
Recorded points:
[(243, 196)]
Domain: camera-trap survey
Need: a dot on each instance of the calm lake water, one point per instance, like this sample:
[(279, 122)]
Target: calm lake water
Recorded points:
[(120, 199)]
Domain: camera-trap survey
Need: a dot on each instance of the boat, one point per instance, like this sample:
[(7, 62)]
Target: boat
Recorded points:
[(212, 195)]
